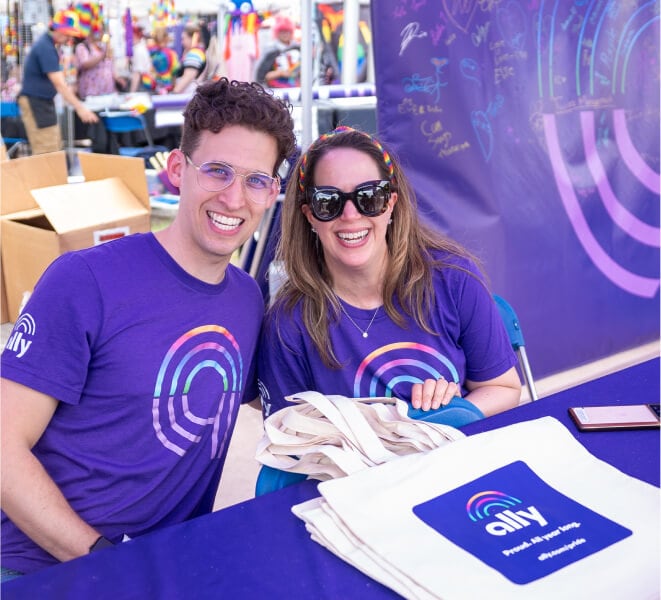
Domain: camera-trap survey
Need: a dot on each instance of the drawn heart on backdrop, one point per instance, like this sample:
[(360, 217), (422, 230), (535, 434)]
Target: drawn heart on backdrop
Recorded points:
[(460, 14)]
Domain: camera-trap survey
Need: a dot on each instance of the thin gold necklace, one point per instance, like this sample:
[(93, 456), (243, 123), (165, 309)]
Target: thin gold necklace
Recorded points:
[(363, 331)]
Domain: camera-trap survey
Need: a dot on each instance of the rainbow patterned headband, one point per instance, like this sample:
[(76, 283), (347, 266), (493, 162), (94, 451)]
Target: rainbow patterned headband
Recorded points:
[(343, 129)]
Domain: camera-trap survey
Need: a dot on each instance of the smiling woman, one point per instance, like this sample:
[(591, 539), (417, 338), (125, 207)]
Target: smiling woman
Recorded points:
[(375, 303)]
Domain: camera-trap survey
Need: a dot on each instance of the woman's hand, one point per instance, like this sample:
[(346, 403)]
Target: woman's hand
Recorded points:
[(433, 393)]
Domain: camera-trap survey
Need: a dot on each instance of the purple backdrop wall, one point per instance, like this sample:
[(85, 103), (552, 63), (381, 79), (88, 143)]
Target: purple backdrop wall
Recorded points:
[(531, 132)]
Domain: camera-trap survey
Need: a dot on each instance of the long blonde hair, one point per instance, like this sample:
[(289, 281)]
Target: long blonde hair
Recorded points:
[(410, 245)]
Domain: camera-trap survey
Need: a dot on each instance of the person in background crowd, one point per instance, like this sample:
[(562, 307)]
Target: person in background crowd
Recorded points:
[(214, 61), (165, 62), (96, 70), (118, 409), (191, 71), (43, 79), (94, 62), (11, 82), (141, 66), (281, 64), (375, 303)]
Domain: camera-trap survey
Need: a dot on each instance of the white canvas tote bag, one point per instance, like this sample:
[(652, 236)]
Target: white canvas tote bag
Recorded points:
[(520, 512)]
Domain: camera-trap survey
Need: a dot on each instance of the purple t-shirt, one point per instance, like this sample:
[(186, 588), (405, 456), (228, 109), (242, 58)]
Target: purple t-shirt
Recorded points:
[(149, 366), (471, 344)]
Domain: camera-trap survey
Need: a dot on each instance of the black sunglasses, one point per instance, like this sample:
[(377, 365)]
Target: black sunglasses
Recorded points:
[(370, 199)]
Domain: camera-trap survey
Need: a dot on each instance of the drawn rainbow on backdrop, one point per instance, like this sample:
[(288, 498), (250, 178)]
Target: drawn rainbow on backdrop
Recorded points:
[(593, 77), (482, 504), (207, 347)]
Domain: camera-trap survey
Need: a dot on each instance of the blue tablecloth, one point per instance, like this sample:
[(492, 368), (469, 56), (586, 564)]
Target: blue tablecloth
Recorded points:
[(258, 549)]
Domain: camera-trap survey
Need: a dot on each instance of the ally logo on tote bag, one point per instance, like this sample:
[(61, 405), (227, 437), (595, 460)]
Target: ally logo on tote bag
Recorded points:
[(516, 523)]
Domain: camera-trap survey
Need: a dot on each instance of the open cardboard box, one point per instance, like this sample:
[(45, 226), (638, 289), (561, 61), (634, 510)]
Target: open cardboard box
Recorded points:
[(52, 216), (17, 177)]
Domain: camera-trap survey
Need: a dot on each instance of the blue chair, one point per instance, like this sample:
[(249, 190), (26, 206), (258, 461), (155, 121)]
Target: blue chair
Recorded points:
[(513, 327), (117, 122), (270, 480), (457, 413), (9, 110)]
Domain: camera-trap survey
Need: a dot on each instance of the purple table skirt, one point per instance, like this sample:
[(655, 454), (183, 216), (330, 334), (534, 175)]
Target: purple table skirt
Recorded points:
[(258, 549)]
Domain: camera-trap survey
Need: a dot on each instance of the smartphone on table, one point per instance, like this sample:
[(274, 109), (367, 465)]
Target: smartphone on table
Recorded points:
[(602, 418)]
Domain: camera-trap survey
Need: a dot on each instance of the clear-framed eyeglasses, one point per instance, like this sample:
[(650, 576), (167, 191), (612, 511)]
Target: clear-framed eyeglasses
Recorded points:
[(215, 176)]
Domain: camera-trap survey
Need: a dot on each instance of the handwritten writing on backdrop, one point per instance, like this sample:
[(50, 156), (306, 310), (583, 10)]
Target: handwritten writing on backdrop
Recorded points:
[(530, 130)]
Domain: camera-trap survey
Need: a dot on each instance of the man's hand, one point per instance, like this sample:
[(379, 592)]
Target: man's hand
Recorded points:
[(86, 115)]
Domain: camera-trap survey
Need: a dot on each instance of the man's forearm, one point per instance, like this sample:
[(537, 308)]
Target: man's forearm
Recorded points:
[(67, 95), (34, 503)]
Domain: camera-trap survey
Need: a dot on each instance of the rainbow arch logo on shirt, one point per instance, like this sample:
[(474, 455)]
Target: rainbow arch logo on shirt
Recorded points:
[(381, 370), (205, 362), (482, 504)]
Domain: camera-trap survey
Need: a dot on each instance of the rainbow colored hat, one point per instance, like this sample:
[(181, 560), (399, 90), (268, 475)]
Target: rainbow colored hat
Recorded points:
[(97, 18), (85, 17), (66, 21), (90, 17)]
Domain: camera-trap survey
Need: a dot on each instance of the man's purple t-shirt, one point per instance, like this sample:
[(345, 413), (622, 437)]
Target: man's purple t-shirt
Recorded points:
[(149, 366), (471, 343)]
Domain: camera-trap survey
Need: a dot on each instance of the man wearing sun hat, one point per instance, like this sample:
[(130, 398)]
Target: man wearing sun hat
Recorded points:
[(43, 78)]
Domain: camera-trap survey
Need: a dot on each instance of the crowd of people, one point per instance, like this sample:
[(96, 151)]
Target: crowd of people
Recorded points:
[(81, 63)]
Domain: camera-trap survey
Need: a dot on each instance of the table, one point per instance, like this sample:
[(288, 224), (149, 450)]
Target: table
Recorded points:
[(633, 452), (143, 103), (258, 549)]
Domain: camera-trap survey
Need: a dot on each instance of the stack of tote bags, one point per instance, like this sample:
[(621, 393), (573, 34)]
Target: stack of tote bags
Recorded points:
[(333, 436), (515, 513)]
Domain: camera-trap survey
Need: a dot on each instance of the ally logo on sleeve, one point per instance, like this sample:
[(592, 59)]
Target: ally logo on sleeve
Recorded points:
[(516, 523)]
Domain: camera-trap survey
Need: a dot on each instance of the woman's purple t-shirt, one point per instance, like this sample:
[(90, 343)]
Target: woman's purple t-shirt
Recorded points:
[(471, 343)]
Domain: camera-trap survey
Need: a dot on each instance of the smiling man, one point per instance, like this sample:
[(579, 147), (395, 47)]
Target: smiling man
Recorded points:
[(116, 419)]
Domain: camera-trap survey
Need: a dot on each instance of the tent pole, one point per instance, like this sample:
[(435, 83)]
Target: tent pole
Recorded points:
[(350, 47), (306, 73)]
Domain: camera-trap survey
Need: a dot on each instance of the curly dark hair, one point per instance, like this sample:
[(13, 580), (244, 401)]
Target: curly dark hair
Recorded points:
[(217, 104)]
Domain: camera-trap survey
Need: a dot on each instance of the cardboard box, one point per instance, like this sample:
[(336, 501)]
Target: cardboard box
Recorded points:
[(4, 309), (113, 201), (17, 177), (4, 313)]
